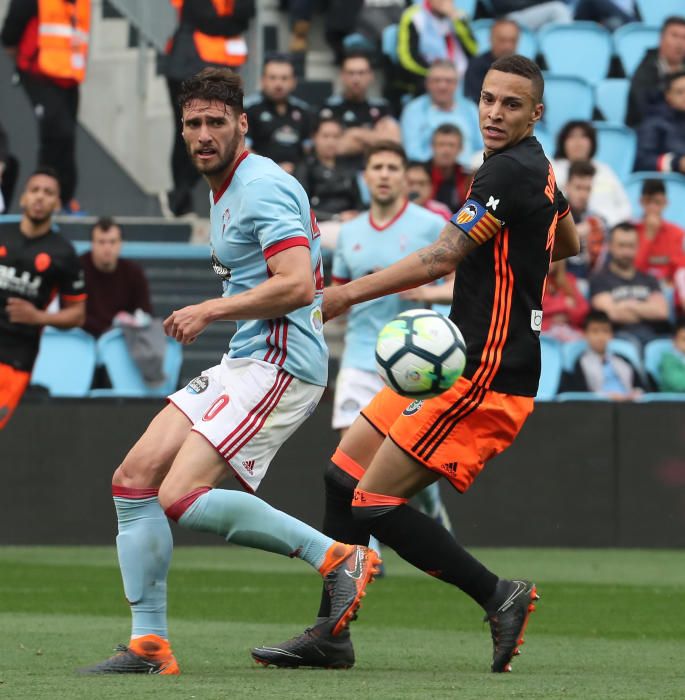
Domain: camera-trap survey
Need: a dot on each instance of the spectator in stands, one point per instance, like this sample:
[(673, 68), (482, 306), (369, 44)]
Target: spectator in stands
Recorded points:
[(504, 37), (329, 181), (633, 300), (600, 370), (208, 34), (590, 225), (661, 136), (563, 307), (279, 125), (672, 364), (611, 13), (114, 284), (648, 82), (660, 244), (438, 106), (420, 187), (532, 14), (373, 17), (451, 181), (430, 31), (366, 120), (49, 44), (9, 170), (577, 140)]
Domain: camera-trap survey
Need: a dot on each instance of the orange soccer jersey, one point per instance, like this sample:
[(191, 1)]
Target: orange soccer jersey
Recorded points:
[(13, 383)]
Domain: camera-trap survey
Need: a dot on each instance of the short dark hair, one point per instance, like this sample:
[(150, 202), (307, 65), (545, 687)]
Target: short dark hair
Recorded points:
[(356, 53), (672, 77), (104, 224), (673, 20), (652, 186), (214, 85), (448, 130), (419, 164), (327, 119), (276, 57), (622, 226), (596, 316), (387, 145), (587, 129), (581, 168), (503, 20), (48, 171), (520, 65)]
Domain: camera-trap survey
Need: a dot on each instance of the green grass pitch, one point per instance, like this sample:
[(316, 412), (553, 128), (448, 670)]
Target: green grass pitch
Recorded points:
[(611, 624)]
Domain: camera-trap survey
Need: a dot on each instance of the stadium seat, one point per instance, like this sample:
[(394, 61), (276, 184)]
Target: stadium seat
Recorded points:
[(123, 373), (566, 98), (545, 138), (573, 350), (631, 41), (653, 352), (389, 42), (466, 6), (616, 146), (611, 97), (656, 11), (550, 376), (65, 362), (675, 191), (653, 397), (527, 46), (580, 49), (581, 396)]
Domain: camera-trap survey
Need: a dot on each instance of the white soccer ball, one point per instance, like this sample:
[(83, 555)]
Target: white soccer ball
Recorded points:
[(420, 353)]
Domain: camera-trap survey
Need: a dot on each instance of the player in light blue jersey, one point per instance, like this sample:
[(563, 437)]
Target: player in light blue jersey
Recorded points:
[(233, 417)]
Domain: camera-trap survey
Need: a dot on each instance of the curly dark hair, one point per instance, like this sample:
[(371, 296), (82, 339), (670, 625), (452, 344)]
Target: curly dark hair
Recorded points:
[(214, 85)]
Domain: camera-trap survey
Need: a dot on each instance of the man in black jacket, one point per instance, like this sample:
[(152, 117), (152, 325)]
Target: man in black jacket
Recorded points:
[(203, 26), (647, 83)]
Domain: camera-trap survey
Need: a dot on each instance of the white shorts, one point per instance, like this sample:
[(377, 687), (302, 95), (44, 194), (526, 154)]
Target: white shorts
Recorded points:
[(247, 409), (354, 390)]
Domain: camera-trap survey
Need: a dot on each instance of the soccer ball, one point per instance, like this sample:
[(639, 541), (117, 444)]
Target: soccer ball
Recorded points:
[(420, 354)]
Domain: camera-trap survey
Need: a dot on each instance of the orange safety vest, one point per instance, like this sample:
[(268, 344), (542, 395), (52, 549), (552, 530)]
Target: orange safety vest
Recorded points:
[(63, 32), (225, 51)]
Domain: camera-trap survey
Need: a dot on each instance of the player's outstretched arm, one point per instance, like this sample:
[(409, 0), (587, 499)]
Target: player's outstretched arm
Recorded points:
[(425, 265), (290, 287), (566, 240)]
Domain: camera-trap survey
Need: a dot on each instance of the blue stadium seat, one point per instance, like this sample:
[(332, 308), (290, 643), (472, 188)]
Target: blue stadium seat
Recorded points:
[(573, 350), (656, 11), (675, 191), (550, 376), (527, 46), (581, 396), (566, 98), (389, 42), (66, 362), (581, 49), (123, 373), (653, 353), (545, 138), (653, 397), (616, 146), (466, 6), (611, 96), (631, 41)]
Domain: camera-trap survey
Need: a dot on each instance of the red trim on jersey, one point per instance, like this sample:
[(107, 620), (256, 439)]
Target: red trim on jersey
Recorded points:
[(280, 246), (567, 211), (128, 492), (255, 418), (178, 508), (74, 297), (218, 194), (284, 349), (392, 221), (340, 280), (663, 162), (278, 350)]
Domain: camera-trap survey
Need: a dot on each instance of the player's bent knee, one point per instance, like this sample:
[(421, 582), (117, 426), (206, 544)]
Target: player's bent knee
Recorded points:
[(175, 503), (367, 505)]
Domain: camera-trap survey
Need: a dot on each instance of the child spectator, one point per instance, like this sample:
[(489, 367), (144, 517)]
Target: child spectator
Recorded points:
[(600, 370), (563, 307), (451, 181), (672, 365), (419, 186)]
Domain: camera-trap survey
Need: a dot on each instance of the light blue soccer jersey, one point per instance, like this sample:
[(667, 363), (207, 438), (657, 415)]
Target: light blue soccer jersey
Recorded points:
[(261, 211), (363, 248)]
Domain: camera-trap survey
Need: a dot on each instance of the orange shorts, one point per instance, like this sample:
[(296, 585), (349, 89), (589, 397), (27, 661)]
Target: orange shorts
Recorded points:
[(13, 383), (453, 434)]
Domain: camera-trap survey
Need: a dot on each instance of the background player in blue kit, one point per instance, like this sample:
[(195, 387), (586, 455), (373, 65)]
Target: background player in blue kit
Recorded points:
[(234, 417)]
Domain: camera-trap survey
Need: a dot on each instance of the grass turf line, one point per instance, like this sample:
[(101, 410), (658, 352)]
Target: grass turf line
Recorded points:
[(609, 626)]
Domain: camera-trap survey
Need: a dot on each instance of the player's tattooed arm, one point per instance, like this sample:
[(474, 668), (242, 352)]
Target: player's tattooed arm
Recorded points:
[(443, 256)]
